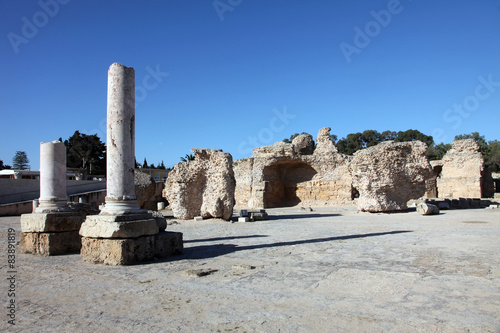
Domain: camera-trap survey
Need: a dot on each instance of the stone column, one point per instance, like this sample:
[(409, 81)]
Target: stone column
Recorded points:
[(120, 166), (53, 227), (52, 177), (123, 233)]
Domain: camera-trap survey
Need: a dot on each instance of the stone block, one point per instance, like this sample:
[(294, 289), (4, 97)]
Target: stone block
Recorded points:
[(198, 218), (131, 250), (119, 226), (50, 243), (427, 209), (51, 222), (258, 216)]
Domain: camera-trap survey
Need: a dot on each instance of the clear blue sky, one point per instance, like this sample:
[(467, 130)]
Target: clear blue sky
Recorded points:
[(247, 73)]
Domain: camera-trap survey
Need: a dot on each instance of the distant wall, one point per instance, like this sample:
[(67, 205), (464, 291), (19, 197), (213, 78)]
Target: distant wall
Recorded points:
[(17, 190)]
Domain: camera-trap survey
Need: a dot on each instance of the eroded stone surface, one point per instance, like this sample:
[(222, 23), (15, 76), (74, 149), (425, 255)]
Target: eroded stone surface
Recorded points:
[(131, 250), (119, 226), (51, 222), (463, 166), (144, 188), (389, 174), (284, 174), (49, 243), (203, 187)]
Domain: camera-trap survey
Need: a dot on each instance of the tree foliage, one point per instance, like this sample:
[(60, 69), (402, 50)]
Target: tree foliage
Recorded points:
[(21, 161), (187, 157), (4, 166), (87, 153)]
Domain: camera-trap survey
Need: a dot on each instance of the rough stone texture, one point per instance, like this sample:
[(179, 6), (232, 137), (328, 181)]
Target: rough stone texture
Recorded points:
[(324, 144), (120, 133), (303, 144), (203, 187), (119, 226), (389, 174), (51, 222), (427, 209), (144, 188), (131, 250), (287, 175), (49, 243), (463, 167), (430, 184)]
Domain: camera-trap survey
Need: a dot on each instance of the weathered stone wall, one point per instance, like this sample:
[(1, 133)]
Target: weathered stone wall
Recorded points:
[(389, 174), (288, 174), (463, 166), (203, 187), (145, 188)]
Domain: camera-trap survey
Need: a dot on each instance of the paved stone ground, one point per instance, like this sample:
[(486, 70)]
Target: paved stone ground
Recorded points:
[(330, 270)]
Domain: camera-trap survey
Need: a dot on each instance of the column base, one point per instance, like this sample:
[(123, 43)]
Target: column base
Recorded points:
[(113, 251), (51, 222), (119, 226), (50, 243)]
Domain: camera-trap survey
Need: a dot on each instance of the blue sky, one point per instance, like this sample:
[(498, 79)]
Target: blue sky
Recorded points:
[(236, 74)]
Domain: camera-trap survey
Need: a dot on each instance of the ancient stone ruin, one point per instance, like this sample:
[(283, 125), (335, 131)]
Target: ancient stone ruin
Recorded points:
[(52, 228), (202, 187), (286, 174), (389, 174), (123, 233), (462, 172)]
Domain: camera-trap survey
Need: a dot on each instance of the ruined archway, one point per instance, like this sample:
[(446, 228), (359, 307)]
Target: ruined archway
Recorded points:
[(283, 183)]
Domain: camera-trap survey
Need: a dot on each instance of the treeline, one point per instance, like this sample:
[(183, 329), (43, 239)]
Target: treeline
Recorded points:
[(360, 140)]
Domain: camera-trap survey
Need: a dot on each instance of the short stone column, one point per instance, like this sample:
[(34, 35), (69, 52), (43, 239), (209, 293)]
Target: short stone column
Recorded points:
[(53, 227), (123, 233), (52, 177)]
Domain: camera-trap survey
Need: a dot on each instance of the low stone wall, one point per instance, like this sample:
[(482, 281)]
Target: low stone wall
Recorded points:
[(16, 209), (17, 190)]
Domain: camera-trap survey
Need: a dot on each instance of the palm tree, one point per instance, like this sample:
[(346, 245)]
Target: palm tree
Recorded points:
[(188, 157)]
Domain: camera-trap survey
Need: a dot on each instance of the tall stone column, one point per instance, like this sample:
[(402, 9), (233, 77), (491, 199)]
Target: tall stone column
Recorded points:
[(123, 233), (120, 198), (52, 177)]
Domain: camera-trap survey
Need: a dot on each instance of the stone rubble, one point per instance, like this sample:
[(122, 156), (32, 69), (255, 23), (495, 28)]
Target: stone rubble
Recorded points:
[(202, 187)]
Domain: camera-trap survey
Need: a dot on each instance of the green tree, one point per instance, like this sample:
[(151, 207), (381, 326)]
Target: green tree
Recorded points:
[(412, 135), (87, 153), (20, 161), (161, 165), (351, 143), (187, 157), (4, 166), (145, 164), (436, 152), (493, 155)]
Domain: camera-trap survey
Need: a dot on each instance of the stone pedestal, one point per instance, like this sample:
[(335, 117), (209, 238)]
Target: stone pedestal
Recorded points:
[(122, 233), (126, 251), (52, 228)]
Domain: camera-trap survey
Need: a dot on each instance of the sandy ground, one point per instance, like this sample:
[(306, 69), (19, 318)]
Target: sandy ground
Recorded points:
[(330, 270)]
